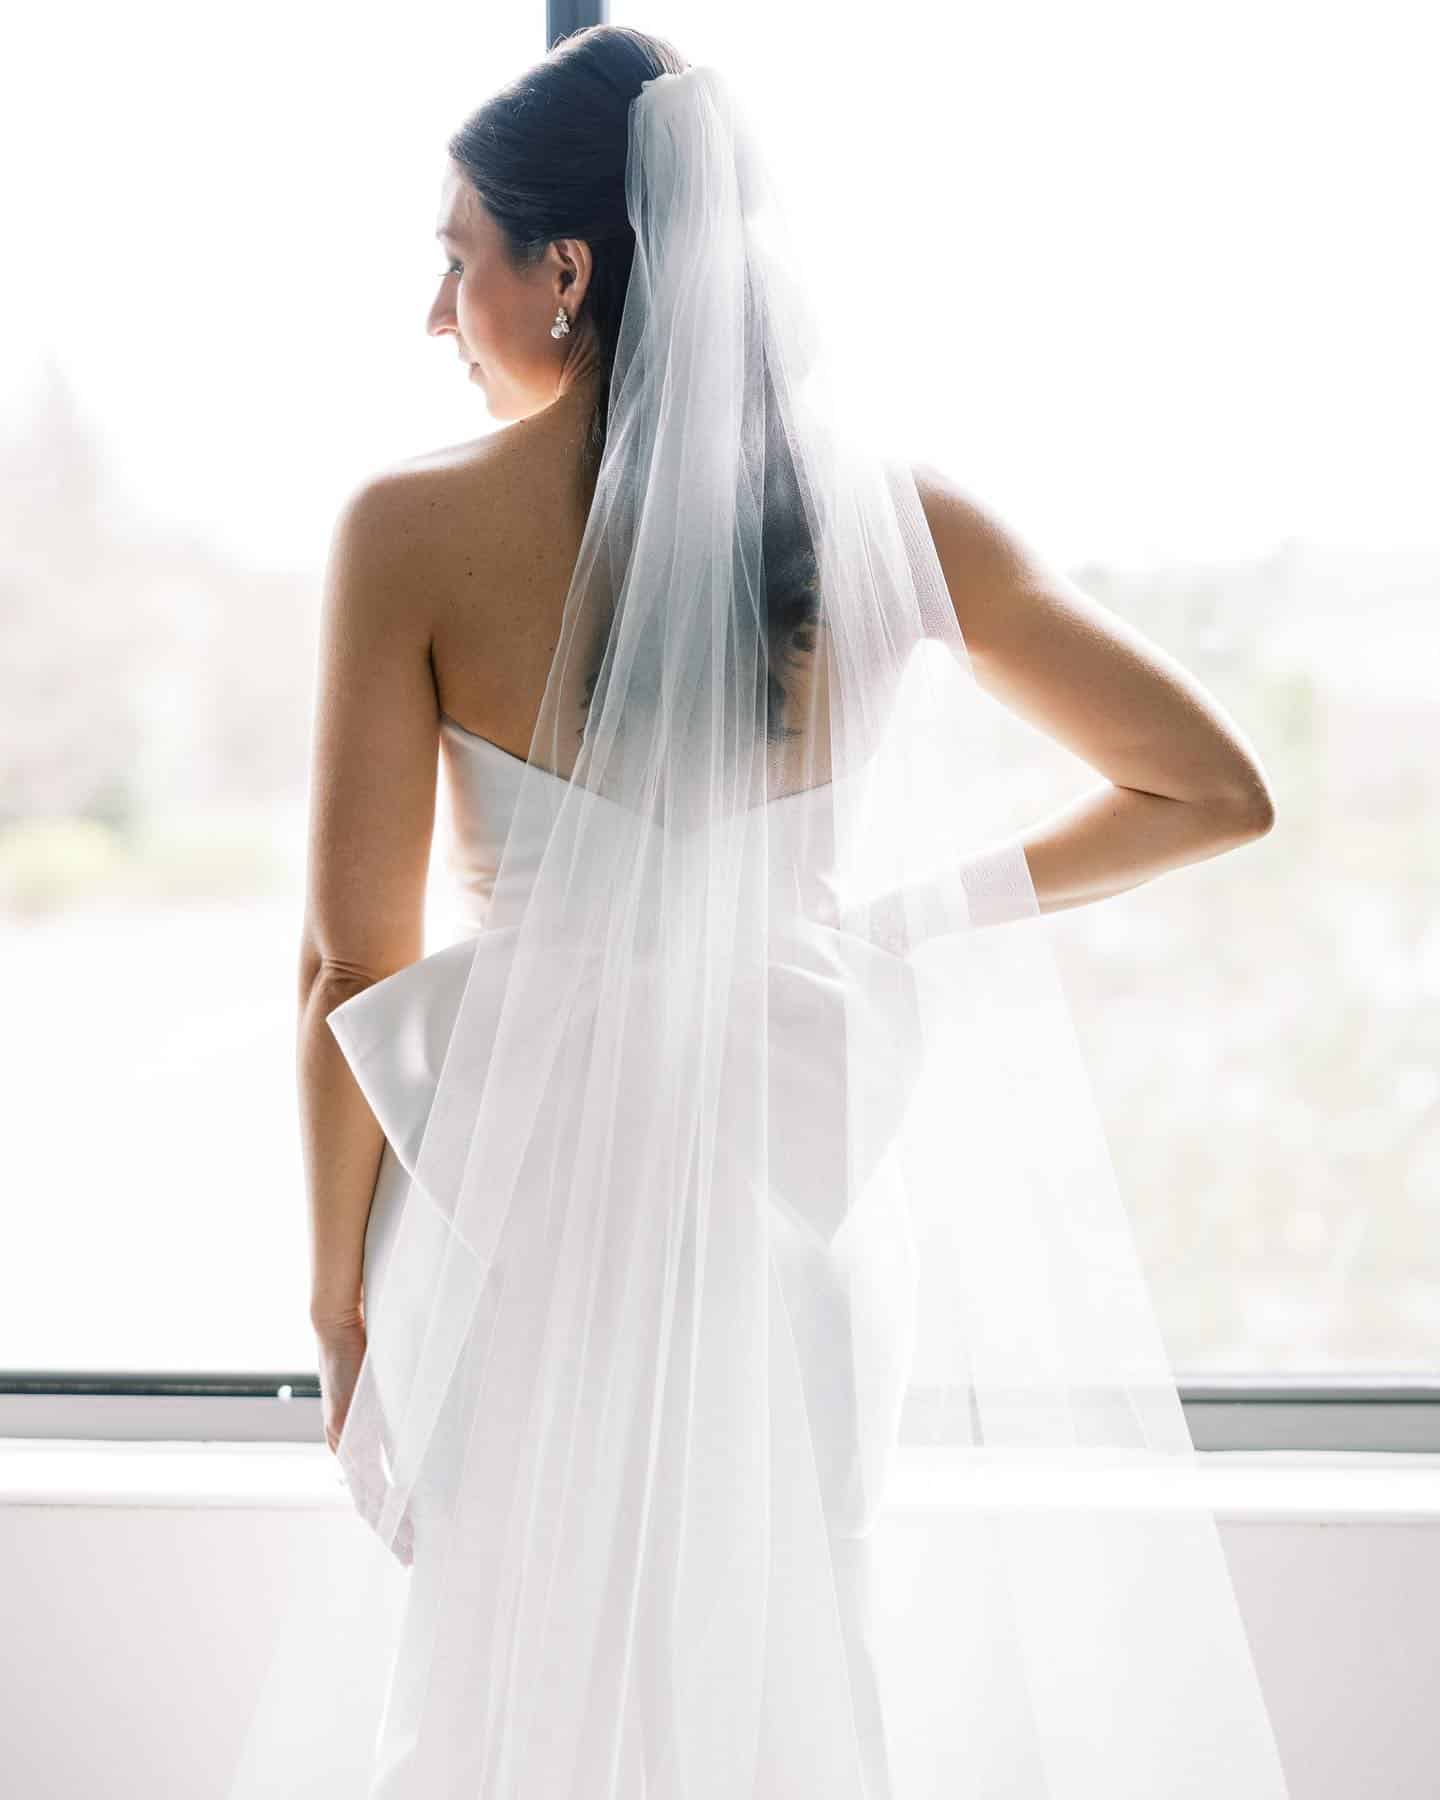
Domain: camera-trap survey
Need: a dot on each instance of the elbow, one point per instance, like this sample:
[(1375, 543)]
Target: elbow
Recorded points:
[(1264, 813), (311, 968), (322, 974), (1248, 807)]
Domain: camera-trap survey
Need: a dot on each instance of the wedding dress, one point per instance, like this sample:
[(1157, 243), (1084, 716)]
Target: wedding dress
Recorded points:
[(847, 1301), (763, 1398)]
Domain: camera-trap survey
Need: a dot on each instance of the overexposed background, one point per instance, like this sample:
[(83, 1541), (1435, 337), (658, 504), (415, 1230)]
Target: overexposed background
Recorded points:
[(1155, 279)]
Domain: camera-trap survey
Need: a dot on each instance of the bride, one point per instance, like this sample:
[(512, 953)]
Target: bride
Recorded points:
[(729, 1332)]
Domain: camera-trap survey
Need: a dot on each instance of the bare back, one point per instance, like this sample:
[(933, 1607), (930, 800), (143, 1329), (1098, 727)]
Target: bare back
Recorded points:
[(500, 535), (498, 527)]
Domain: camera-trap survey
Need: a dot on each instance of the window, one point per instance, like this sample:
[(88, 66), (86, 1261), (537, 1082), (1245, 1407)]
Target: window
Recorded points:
[(1166, 263), (221, 265), (1164, 260)]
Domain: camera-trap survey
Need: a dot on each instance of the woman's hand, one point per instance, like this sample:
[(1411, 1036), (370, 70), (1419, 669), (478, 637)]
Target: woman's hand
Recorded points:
[(341, 1343)]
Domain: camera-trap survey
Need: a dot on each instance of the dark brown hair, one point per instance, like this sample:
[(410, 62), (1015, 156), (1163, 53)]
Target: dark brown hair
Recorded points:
[(546, 155)]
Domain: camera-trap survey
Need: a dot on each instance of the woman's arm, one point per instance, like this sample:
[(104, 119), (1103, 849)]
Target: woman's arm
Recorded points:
[(371, 820), (1183, 784)]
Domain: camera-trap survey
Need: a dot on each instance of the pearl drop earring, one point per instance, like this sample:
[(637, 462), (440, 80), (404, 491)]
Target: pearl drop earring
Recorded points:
[(561, 326)]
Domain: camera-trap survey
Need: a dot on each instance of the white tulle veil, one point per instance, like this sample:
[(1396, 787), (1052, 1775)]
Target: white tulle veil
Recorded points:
[(761, 1227)]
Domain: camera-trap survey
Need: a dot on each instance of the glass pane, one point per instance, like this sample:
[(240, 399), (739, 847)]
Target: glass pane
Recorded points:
[(221, 259), (1166, 265)]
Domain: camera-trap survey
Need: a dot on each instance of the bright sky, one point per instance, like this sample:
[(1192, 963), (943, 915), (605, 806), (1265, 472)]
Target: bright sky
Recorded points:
[(1154, 277)]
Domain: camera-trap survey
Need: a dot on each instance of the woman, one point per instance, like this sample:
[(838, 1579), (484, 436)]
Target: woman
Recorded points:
[(742, 1137)]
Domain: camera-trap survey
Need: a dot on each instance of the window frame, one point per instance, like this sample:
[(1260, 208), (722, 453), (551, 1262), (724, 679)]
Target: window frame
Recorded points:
[(1331, 1411)]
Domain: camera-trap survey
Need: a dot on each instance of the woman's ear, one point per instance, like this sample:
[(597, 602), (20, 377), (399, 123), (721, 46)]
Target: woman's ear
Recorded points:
[(576, 265)]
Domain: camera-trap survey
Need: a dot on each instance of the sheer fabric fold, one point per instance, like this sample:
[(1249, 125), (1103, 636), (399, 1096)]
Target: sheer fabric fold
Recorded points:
[(756, 1224)]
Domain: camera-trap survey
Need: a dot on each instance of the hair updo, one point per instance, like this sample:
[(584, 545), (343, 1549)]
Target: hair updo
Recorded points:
[(546, 154)]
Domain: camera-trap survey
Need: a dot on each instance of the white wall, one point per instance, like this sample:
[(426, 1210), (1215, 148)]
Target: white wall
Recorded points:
[(138, 1622)]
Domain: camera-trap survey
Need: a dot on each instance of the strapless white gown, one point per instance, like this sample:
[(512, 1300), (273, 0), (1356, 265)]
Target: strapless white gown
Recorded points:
[(848, 1284)]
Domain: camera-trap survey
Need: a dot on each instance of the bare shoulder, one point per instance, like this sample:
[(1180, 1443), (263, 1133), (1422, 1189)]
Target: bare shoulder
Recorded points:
[(448, 512), (412, 510), (990, 567), (421, 546)]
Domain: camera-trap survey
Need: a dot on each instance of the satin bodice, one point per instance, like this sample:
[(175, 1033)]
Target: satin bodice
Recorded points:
[(835, 1001), (484, 785), (484, 781)]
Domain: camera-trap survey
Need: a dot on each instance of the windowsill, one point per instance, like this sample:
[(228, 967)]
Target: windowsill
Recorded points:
[(1318, 1487), (100, 1472)]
